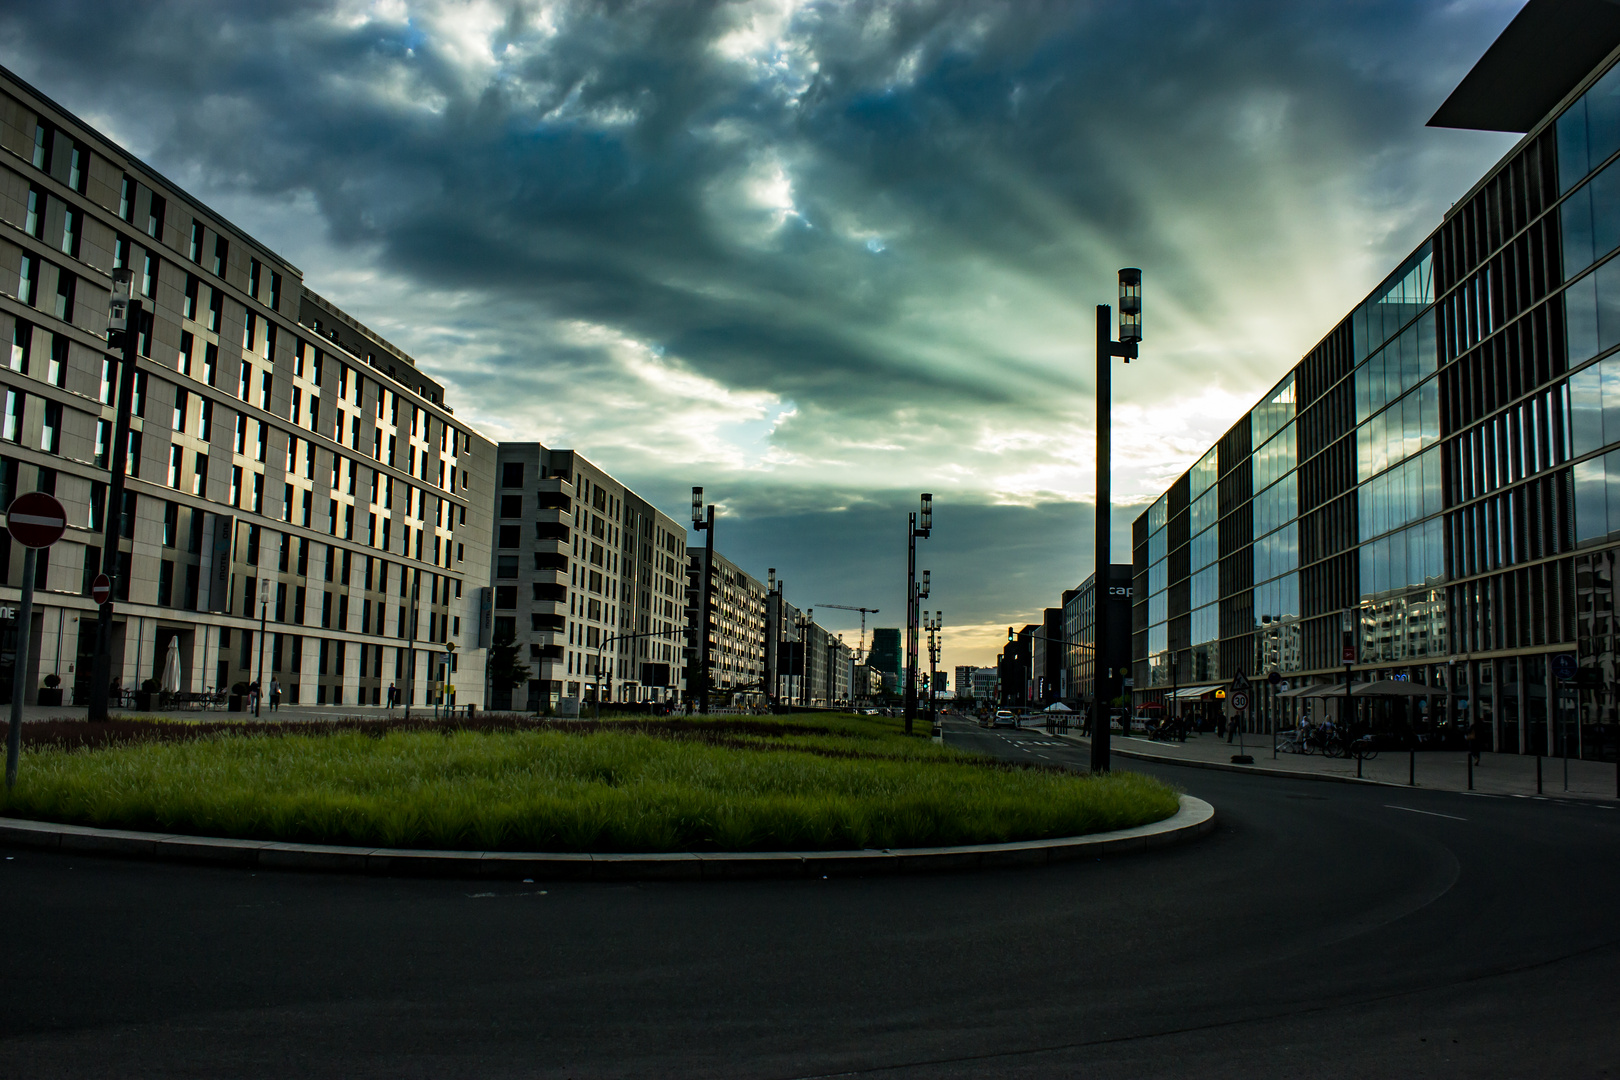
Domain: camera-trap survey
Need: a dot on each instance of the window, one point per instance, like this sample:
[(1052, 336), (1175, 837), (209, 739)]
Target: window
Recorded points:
[(72, 226), (216, 309), (149, 272), (199, 475), (250, 326), (235, 496), (13, 422), (78, 167), (28, 280), (264, 436), (66, 285), (42, 147), (171, 523), (103, 444), (240, 445), (245, 391), (50, 436), (181, 406), (258, 493), (511, 536), (210, 363), (132, 459), (154, 218), (287, 503), (194, 249), (511, 506), (512, 474), (22, 339), (34, 213), (264, 391), (165, 597), (253, 278), (139, 408), (56, 369), (176, 458), (126, 198), (121, 254), (275, 291), (205, 421), (506, 566), (221, 255)]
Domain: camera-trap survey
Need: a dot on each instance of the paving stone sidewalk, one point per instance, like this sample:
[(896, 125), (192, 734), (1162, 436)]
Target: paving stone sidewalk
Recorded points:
[(1442, 770)]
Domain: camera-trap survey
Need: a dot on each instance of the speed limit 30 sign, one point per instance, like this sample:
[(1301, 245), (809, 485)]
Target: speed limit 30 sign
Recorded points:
[(1239, 700)]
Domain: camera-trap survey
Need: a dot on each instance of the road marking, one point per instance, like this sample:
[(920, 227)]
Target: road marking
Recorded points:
[(1430, 813)]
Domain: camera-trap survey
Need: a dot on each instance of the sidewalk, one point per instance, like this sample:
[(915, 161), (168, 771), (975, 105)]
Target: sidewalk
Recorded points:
[(285, 714), (1439, 770)]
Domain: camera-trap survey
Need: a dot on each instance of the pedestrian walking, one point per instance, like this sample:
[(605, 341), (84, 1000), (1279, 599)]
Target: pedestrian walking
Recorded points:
[(253, 695), (393, 696), (275, 694)]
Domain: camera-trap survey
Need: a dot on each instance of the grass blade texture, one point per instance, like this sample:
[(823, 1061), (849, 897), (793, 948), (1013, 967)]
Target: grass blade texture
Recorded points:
[(733, 785)]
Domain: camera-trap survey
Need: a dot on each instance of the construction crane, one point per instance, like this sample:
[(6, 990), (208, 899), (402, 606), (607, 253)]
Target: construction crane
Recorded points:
[(865, 611)]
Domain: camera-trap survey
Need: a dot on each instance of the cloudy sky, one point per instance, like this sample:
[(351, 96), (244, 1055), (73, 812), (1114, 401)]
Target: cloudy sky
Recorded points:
[(815, 256)]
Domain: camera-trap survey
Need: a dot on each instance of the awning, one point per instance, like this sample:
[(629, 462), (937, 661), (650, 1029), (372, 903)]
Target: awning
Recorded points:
[(1196, 691), (1395, 688)]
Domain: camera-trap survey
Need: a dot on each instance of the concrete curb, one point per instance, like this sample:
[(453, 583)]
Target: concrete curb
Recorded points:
[(1195, 818)]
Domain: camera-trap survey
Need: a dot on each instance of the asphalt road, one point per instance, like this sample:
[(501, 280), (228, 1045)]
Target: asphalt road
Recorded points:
[(1324, 930)]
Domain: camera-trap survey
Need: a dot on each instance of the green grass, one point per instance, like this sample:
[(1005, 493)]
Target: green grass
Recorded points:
[(852, 782)]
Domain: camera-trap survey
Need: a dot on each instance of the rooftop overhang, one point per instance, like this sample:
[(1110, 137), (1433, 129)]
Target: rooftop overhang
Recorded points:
[(1543, 54)]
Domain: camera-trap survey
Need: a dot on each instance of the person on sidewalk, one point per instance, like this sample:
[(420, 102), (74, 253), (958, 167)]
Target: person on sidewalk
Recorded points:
[(393, 696), (275, 695)]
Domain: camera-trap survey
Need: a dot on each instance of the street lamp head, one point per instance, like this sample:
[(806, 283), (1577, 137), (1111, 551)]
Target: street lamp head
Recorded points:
[(922, 590), (1130, 305), (697, 505), (118, 305), (925, 520), (264, 590), (771, 587)]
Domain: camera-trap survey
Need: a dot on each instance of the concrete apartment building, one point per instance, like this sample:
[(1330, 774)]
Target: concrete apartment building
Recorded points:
[(807, 664), (589, 578), (736, 628), (964, 680), (274, 439)]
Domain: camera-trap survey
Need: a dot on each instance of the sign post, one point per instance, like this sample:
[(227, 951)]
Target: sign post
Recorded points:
[(1239, 700), (35, 520)]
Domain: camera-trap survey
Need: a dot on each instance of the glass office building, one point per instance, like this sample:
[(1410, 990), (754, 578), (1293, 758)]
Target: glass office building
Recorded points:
[(1433, 492)]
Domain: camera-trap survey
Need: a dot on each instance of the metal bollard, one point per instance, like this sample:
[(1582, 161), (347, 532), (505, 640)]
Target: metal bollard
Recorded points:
[(1469, 757), (1411, 768), (1538, 774)]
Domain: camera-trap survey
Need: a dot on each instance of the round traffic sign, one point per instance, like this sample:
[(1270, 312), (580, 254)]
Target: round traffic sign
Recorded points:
[(36, 520), (101, 589), (1239, 700)]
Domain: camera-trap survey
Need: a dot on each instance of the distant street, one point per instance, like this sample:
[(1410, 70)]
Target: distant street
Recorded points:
[(1324, 930)]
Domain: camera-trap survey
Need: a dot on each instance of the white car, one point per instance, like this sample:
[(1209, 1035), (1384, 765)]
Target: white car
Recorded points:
[(1005, 718)]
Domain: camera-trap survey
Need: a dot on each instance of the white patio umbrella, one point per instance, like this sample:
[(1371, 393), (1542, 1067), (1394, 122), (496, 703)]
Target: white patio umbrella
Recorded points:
[(171, 667), (1057, 706)]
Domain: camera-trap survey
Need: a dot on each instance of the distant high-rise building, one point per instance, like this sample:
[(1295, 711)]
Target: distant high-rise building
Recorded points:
[(885, 654)]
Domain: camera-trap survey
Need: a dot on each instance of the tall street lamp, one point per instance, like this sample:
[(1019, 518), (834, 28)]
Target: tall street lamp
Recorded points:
[(1130, 333), (125, 319), (773, 626), (919, 523), (706, 527), (802, 653), (933, 626), (264, 610)]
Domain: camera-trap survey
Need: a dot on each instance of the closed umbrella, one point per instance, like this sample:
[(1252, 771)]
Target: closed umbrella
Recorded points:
[(171, 667)]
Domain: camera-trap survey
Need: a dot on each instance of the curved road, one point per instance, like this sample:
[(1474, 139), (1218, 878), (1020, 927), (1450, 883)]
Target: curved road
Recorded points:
[(1324, 930)]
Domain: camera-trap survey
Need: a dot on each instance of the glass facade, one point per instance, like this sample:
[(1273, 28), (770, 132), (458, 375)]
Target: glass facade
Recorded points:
[(1433, 492)]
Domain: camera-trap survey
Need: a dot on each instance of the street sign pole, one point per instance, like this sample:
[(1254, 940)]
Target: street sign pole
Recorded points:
[(34, 520)]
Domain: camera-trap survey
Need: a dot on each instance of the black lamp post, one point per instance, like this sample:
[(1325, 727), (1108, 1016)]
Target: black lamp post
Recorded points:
[(921, 524), (933, 626), (125, 319), (1130, 333), (706, 527)]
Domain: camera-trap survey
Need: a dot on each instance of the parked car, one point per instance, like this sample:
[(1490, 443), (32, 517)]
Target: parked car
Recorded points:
[(1005, 718)]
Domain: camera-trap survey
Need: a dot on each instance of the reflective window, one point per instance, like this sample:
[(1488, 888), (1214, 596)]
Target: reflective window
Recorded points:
[(1402, 495), (1205, 510), (1403, 429), (1395, 303), (1590, 221), (1206, 548), (1276, 410), (1202, 475), (1589, 131), (1398, 367), (1206, 586), (1597, 498), (1412, 558), (1277, 553), (1592, 313)]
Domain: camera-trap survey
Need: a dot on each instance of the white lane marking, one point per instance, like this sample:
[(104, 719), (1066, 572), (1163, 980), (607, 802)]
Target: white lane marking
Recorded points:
[(1430, 813)]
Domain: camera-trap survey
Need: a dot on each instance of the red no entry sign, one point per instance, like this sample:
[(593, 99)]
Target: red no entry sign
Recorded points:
[(36, 520), (101, 589)]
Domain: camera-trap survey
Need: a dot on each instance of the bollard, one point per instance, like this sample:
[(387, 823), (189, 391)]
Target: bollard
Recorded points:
[(1469, 757), (1411, 767), (1538, 774)]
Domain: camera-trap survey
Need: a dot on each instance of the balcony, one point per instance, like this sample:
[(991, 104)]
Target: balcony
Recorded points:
[(556, 485)]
